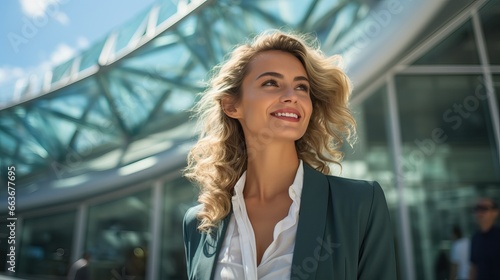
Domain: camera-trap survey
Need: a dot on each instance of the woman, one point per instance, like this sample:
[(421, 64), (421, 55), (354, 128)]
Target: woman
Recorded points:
[(272, 121)]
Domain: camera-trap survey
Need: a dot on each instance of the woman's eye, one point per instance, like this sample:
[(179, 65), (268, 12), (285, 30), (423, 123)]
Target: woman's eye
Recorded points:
[(303, 87), (270, 83)]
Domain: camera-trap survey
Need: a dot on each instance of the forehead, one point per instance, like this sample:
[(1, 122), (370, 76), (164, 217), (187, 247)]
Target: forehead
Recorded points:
[(276, 61)]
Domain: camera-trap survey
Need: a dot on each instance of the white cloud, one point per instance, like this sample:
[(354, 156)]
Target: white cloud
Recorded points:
[(82, 43), (62, 18), (39, 8), (62, 53), (34, 8), (8, 73)]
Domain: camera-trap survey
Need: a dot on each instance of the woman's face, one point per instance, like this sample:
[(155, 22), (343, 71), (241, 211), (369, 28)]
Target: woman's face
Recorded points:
[(275, 103)]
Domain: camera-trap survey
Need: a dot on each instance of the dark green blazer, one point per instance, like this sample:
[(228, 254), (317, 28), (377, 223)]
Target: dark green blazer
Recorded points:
[(344, 232)]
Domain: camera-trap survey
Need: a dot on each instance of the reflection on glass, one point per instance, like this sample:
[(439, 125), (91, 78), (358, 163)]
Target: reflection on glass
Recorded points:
[(490, 22), (496, 86), (45, 249), (118, 236), (370, 157), (458, 48), (179, 195), (449, 159)]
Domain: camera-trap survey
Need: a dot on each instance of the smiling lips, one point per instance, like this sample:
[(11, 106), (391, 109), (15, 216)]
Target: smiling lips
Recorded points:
[(289, 115)]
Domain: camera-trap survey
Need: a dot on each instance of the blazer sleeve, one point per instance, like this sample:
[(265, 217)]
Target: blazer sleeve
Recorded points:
[(377, 259)]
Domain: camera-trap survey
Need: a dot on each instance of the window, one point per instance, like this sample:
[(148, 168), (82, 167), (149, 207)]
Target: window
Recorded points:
[(458, 48), (178, 197), (118, 236), (370, 158), (490, 22), (449, 158), (46, 245)]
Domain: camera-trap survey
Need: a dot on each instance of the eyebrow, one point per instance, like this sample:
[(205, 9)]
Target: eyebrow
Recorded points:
[(278, 75)]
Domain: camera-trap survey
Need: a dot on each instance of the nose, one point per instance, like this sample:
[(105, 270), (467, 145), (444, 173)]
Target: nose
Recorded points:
[(289, 96)]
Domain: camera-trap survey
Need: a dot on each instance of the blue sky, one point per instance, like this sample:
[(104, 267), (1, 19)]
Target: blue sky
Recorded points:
[(39, 34)]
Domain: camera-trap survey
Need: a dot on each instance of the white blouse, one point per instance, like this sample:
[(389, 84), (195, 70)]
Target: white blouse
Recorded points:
[(238, 256)]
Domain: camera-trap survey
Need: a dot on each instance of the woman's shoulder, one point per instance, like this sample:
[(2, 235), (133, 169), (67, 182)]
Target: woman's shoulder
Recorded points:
[(353, 185), (346, 188), (191, 216), (193, 210), (351, 192)]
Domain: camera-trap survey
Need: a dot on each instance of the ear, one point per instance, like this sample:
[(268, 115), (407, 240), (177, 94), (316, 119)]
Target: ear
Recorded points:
[(229, 107)]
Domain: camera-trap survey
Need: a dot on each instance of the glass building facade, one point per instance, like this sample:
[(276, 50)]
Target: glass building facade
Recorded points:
[(99, 143), (429, 133)]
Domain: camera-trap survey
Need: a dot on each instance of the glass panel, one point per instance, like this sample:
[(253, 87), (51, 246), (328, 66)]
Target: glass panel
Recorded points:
[(370, 158), (74, 100), (137, 25), (496, 86), (179, 196), (490, 21), (291, 12), (8, 142), (72, 105), (100, 114), (62, 71), (165, 52), (31, 152), (38, 127), (127, 101), (342, 21), (46, 246), (90, 56), (59, 129), (458, 48), (118, 237), (167, 9), (449, 159)]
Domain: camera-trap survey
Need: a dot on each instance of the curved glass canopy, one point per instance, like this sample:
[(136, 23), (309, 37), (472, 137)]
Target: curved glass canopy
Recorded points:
[(128, 97)]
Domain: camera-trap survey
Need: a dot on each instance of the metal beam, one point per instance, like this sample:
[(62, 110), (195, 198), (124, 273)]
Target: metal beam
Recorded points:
[(162, 78), (34, 135), (103, 84), (158, 105)]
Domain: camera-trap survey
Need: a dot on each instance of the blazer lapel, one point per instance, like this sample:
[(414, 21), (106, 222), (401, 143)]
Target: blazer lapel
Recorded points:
[(312, 222), (211, 248)]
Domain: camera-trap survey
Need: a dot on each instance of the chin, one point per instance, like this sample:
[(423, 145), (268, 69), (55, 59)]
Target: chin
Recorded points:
[(290, 136)]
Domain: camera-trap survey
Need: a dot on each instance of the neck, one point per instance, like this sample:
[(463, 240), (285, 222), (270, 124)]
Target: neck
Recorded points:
[(271, 170)]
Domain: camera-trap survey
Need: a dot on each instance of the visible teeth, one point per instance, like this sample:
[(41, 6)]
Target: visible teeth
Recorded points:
[(289, 115)]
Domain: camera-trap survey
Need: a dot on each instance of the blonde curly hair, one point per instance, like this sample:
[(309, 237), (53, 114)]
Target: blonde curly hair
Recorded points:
[(219, 158)]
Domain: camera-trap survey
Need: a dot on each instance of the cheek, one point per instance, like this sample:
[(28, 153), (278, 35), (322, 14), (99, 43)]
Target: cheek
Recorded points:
[(308, 107)]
